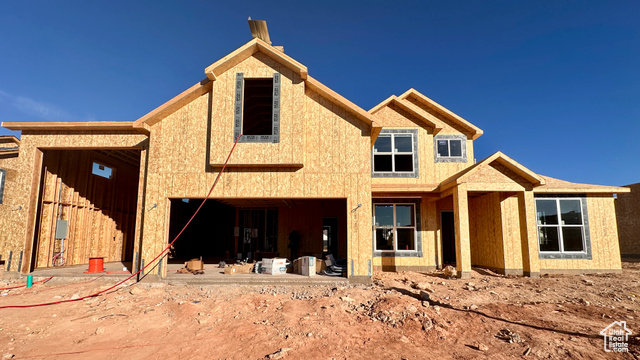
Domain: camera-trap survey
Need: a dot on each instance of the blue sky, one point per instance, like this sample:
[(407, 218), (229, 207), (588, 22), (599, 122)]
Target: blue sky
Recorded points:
[(553, 84)]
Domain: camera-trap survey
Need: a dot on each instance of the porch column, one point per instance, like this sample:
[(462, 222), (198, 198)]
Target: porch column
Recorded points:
[(528, 234), (461, 221)]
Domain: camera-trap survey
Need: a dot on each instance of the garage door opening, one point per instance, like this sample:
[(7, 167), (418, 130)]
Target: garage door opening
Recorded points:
[(87, 207), (237, 229)]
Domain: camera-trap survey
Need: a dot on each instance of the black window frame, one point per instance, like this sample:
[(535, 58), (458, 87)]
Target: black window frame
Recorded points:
[(414, 147), (449, 158)]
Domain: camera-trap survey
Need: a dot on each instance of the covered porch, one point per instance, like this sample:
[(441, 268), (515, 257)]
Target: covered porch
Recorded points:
[(493, 223)]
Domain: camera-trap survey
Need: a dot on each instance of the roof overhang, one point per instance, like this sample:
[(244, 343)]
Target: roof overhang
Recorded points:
[(430, 120), (557, 186), (74, 126), (174, 104), (472, 131)]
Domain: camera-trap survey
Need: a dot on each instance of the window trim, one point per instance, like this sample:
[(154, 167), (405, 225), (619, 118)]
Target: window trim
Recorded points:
[(463, 143), (586, 238), (239, 108), (3, 177), (418, 228), (414, 148)]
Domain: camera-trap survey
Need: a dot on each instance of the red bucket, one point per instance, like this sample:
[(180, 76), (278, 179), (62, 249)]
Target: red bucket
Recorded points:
[(96, 265)]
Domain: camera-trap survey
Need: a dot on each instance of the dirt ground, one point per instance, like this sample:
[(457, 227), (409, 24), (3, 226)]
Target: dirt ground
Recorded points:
[(487, 317)]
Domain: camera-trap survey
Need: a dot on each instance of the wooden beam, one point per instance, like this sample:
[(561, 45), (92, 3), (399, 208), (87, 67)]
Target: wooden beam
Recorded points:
[(463, 238), (528, 234), (71, 126)]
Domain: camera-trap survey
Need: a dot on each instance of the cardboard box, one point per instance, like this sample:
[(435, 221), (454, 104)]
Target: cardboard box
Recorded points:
[(243, 268), (320, 266), (194, 264), (229, 270), (308, 265)]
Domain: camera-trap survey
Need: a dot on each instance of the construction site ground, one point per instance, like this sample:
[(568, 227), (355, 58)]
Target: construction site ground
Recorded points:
[(487, 317)]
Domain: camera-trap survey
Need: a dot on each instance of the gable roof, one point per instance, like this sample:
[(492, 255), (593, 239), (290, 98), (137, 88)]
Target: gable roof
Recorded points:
[(509, 163), (430, 120), (412, 95), (245, 51)]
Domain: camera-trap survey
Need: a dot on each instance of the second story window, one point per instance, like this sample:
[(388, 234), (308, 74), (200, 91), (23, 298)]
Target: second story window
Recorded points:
[(257, 109), (395, 154), (450, 148)]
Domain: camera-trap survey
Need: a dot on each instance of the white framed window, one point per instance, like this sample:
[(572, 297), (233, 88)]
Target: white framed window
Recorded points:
[(561, 226), (3, 175), (395, 154), (394, 227), (450, 148)]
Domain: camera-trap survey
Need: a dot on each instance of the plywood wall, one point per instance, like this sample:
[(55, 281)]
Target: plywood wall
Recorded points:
[(21, 204), (485, 227), (511, 236), (604, 240), (330, 143), (10, 209), (101, 212)]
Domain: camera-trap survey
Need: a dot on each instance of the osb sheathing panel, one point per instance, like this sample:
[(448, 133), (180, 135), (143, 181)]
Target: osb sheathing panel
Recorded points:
[(461, 220), (604, 240), (332, 145), (290, 148), (627, 213), (511, 235), (495, 177), (100, 212), (429, 231), (11, 217), (429, 171), (485, 227), (24, 191)]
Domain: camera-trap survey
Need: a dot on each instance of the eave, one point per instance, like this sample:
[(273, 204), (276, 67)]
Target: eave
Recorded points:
[(471, 130), (70, 126)]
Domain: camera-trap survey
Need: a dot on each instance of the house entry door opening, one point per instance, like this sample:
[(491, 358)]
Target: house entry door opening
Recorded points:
[(448, 238)]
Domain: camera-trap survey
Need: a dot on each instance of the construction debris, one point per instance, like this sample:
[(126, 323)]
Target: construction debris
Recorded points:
[(509, 336), (450, 271)]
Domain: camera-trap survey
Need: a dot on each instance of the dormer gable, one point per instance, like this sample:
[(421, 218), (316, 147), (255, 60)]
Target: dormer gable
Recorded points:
[(431, 107)]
